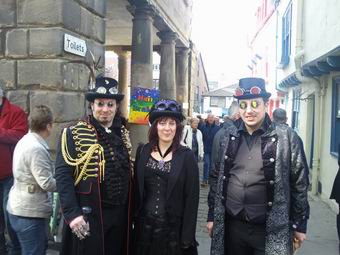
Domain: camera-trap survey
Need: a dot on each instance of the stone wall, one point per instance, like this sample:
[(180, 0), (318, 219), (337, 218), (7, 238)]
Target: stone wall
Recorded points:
[(34, 68)]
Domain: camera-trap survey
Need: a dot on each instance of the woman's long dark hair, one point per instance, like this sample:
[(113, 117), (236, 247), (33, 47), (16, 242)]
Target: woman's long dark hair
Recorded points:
[(153, 134)]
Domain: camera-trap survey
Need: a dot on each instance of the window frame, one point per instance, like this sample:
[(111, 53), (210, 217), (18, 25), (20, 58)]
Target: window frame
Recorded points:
[(218, 101), (286, 35), (296, 109), (335, 117)]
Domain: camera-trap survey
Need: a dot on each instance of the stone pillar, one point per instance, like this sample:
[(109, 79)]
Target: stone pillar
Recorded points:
[(35, 69), (142, 47), (182, 89), (141, 62), (167, 76), (123, 78)]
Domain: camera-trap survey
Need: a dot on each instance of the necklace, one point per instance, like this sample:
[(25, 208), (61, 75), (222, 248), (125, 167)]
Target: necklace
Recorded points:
[(161, 162)]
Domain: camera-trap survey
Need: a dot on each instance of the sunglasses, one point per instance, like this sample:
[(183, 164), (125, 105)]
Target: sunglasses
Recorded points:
[(170, 105), (253, 103), (253, 90), (101, 104)]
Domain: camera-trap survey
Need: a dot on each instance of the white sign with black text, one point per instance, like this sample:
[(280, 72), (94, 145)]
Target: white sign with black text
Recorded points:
[(74, 45)]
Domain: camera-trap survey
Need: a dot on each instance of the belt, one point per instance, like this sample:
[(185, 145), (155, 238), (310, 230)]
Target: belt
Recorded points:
[(29, 188)]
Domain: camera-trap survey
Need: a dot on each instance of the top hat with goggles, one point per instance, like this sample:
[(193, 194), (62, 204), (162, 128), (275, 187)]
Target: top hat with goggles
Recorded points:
[(104, 88), (166, 108), (251, 87)]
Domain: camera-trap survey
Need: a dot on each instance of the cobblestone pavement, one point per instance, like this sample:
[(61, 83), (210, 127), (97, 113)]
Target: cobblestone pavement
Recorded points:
[(321, 234), (201, 232)]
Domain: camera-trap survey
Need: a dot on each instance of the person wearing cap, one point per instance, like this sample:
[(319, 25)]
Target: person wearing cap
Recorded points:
[(258, 196), (166, 187), (13, 126), (93, 174)]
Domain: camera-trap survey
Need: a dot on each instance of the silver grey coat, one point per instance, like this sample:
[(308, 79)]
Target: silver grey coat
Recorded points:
[(288, 205)]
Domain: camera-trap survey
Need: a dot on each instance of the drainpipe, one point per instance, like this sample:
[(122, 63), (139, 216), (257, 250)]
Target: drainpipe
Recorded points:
[(298, 59)]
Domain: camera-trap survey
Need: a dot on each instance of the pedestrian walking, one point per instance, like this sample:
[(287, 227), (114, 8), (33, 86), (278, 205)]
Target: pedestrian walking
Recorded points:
[(280, 116), (93, 173), (29, 204), (335, 194), (13, 126), (192, 137), (208, 131), (229, 121), (167, 187), (259, 189)]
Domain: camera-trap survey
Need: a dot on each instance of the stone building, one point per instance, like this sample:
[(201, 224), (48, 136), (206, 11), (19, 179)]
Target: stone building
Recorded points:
[(303, 62), (45, 46)]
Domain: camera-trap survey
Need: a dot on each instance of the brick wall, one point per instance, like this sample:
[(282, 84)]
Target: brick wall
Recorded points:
[(34, 67)]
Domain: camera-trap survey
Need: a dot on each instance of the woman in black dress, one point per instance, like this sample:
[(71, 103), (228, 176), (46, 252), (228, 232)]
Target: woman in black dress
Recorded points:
[(335, 194), (167, 187)]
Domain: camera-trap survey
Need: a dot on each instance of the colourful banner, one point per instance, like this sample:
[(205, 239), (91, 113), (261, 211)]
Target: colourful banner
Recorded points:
[(140, 104)]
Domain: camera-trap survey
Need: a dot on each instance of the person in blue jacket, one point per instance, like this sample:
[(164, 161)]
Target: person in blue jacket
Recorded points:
[(209, 129)]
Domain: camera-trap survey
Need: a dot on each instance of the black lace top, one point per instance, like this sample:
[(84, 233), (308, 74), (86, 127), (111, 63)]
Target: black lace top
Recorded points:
[(156, 181)]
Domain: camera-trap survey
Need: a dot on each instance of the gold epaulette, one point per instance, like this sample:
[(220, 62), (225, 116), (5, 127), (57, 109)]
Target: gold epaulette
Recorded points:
[(90, 154)]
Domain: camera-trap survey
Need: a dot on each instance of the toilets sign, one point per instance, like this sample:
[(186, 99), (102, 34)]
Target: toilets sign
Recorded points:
[(74, 45)]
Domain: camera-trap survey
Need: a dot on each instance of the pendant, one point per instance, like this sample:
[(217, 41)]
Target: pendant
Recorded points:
[(161, 164)]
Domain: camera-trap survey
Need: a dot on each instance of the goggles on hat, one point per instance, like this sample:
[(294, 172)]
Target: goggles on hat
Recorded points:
[(169, 105), (103, 90), (255, 90)]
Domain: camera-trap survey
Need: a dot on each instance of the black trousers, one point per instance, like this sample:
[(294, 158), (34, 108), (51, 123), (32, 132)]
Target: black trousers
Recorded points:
[(244, 238), (115, 230)]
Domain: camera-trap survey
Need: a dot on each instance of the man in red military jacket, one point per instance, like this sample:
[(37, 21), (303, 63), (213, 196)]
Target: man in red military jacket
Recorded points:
[(13, 126)]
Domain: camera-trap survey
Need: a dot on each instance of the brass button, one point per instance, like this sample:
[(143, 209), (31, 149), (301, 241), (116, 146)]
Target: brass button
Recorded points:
[(271, 160), (270, 203)]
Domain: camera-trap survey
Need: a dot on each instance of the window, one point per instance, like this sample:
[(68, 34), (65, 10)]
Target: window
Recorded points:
[(217, 102), (286, 35), (296, 109), (335, 133)]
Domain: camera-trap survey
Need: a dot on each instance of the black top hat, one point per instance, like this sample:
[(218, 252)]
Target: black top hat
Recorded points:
[(104, 88), (251, 87), (166, 108)]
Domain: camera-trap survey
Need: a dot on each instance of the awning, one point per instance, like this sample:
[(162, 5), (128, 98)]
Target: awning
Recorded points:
[(327, 63)]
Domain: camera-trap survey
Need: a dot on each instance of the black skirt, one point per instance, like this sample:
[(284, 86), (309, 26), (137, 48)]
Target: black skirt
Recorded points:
[(155, 235)]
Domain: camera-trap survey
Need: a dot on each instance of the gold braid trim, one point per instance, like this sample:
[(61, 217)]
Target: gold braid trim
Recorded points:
[(127, 143), (93, 151)]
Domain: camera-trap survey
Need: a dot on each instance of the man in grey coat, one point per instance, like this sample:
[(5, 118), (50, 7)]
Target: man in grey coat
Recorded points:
[(258, 194)]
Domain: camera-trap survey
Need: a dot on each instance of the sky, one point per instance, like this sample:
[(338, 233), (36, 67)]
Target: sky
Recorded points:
[(220, 31)]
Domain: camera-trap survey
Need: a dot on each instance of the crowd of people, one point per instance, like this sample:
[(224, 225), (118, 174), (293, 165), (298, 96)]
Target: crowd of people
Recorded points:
[(255, 169)]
